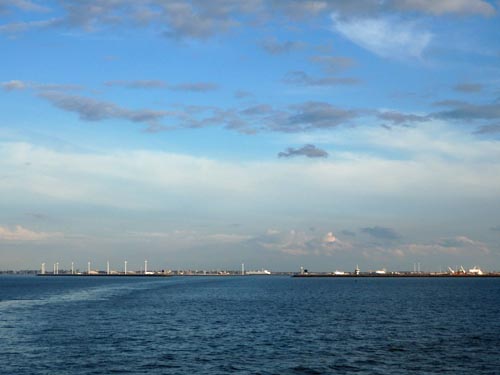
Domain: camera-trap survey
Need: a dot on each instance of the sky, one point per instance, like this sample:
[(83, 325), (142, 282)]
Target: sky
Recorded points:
[(205, 134)]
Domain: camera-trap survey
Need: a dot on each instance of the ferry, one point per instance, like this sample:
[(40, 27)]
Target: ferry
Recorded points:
[(258, 272)]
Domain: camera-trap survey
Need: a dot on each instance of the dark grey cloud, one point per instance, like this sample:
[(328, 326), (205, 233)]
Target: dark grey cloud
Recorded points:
[(398, 118), (89, 109), (333, 64), (301, 78), (381, 233), (468, 87), (275, 47), (309, 151)]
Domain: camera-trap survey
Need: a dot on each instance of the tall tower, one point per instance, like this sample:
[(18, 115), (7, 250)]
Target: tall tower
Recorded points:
[(72, 268), (107, 267), (145, 267), (242, 269), (43, 269), (88, 268), (125, 267)]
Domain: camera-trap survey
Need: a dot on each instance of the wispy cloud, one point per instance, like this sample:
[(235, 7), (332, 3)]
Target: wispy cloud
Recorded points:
[(24, 5), (13, 85), (183, 19), (468, 87), (22, 85), (22, 27), (463, 7), (488, 129), (334, 64), (19, 233), (241, 94), (90, 109), (139, 84), (301, 78), (310, 115), (195, 87), (159, 84), (398, 118), (459, 245), (387, 37), (459, 110), (275, 47), (381, 233)]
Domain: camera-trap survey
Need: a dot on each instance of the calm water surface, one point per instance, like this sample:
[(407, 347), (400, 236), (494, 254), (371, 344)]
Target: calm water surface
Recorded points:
[(248, 325)]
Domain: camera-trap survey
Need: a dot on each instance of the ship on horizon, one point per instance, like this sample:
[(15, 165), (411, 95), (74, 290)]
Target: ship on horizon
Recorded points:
[(258, 272)]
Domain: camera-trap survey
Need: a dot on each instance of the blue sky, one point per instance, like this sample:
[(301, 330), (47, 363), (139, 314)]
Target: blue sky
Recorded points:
[(280, 134)]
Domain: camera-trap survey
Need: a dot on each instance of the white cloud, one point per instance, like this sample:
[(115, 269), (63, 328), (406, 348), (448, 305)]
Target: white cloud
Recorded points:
[(433, 158), (19, 233), (298, 242), (386, 37)]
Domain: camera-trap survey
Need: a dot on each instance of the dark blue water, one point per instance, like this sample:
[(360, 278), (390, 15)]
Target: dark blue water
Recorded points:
[(249, 325)]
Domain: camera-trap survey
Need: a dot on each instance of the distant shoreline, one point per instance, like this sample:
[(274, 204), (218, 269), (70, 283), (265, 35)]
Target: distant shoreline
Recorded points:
[(409, 275), (311, 275)]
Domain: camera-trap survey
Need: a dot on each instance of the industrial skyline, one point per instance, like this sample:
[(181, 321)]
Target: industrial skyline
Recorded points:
[(203, 134)]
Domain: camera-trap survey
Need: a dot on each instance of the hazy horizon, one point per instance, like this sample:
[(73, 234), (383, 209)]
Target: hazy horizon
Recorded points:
[(279, 134)]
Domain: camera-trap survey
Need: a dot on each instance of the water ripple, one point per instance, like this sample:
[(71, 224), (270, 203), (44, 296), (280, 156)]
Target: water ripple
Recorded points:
[(268, 325)]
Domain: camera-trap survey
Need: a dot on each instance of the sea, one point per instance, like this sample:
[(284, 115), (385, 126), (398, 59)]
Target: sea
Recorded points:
[(249, 325)]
